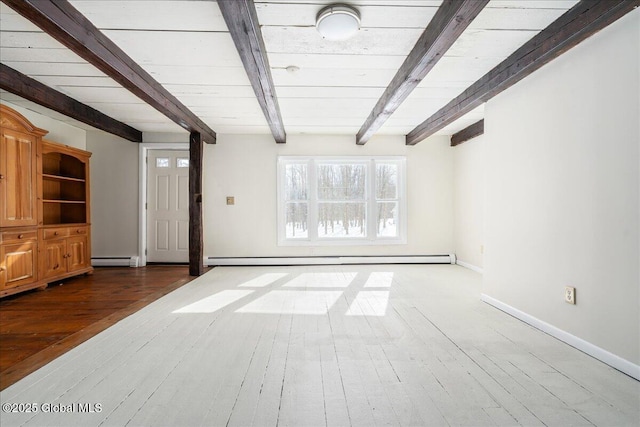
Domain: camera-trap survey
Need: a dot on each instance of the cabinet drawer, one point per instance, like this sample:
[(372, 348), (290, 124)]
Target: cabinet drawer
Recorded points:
[(55, 233), (17, 236), (78, 231)]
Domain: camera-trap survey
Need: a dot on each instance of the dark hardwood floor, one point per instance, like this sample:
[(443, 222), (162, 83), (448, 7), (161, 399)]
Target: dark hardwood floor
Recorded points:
[(38, 326)]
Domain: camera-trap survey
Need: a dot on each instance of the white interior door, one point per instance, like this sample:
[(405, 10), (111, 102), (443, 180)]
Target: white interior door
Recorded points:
[(168, 206)]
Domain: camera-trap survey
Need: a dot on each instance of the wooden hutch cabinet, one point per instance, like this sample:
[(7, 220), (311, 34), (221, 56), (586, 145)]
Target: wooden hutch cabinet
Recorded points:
[(64, 232), (45, 233)]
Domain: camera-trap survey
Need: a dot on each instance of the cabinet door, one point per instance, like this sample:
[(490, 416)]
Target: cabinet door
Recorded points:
[(54, 262), (17, 179), (17, 264), (77, 253)]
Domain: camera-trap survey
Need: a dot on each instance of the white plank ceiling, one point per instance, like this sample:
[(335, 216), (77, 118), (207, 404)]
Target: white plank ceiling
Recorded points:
[(185, 45)]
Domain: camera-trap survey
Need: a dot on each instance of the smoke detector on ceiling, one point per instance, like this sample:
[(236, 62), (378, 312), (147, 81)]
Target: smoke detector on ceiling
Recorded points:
[(338, 22)]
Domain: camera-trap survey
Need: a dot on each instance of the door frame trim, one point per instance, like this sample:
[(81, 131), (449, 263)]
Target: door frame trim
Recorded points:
[(142, 190)]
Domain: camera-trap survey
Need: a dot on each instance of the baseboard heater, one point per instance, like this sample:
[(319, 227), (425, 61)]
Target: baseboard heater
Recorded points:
[(331, 260), (131, 261)]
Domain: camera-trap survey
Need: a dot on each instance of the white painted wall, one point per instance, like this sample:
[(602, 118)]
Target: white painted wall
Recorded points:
[(468, 201), (155, 137), (114, 195), (245, 167), (59, 132), (562, 191)]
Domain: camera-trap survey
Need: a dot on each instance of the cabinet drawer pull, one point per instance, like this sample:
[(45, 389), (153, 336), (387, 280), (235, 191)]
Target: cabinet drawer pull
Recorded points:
[(55, 267), (79, 231), (55, 233), (1, 176), (20, 236)]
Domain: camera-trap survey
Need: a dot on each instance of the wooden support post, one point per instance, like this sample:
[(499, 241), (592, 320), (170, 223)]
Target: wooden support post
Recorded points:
[(196, 246)]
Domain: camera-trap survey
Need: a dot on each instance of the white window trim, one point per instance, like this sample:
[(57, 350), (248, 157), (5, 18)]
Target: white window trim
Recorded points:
[(372, 239)]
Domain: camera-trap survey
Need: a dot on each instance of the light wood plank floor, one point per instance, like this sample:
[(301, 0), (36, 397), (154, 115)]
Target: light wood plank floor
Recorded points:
[(408, 345)]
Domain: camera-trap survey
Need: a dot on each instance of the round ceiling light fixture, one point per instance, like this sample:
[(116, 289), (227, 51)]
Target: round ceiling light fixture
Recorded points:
[(338, 22)]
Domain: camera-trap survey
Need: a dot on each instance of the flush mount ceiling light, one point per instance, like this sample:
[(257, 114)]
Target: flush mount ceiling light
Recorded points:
[(338, 22)]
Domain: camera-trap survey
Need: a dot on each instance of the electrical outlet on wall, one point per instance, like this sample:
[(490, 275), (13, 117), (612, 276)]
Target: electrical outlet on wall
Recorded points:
[(570, 294)]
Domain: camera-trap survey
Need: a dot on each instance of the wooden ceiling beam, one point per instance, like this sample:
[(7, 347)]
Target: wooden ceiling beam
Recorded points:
[(451, 19), (580, 22), (242, 21), (17, 83), (468, 133), (62, 21)]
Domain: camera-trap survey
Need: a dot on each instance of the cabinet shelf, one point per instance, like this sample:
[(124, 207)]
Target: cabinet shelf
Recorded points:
[(65, 201), (65, 185), (62, 178), (63, 163)]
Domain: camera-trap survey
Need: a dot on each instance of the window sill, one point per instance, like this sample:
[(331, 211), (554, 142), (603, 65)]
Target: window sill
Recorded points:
[(342, 242)]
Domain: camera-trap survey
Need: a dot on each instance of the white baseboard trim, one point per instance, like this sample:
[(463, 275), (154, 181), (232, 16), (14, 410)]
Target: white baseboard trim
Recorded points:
[(341, 260), (470, 266), (132, 261), (592, 350)]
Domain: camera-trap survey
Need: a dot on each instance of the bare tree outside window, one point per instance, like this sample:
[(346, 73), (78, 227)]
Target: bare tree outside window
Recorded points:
[(297, 190), (341, 199), (387, 199)]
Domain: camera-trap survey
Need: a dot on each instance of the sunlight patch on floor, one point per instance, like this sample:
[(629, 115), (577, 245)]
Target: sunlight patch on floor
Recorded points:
[(292, 302), (214, 302), (379, 280), (264, 280), (311, 297), (321, 280)]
